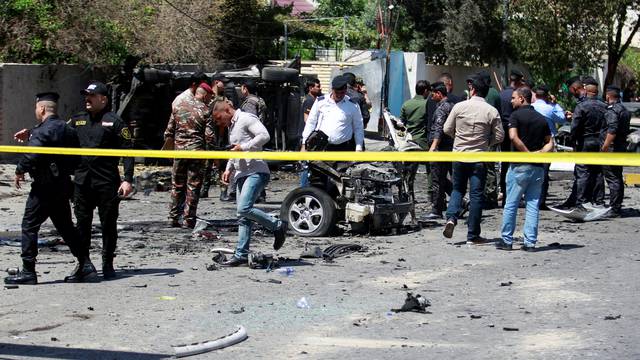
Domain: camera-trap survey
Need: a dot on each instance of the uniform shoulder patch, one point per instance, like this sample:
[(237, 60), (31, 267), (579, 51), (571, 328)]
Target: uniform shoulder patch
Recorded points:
[(125, 133)]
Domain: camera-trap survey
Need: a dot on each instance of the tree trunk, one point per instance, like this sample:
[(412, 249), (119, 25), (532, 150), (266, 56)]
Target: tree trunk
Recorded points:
[(612, 66)]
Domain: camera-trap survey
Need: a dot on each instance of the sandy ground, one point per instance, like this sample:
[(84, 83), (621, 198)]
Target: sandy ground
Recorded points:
[(557, 298)]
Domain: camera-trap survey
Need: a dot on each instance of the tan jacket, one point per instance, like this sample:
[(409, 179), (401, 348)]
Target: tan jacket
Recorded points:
[(474, 125)]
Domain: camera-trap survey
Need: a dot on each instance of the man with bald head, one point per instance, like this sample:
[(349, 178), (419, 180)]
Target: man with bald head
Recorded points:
[(587, 131), (50, 192)]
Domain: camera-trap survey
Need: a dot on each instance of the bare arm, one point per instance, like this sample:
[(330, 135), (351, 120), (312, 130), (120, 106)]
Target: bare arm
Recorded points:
[(548, 144), (515, 139)]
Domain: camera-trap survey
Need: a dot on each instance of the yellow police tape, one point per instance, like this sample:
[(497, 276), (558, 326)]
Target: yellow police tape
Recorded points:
[(623, 159)]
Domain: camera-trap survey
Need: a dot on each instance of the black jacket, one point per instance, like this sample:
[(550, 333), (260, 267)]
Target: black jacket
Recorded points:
[(618, 119), (588, 121), (103, 131), (48, 169)]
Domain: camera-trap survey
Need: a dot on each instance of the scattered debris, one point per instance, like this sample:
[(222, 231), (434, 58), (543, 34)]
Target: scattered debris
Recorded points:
[(510, 329), (139, 286), (139, 245), (583, 215), (54, 339), (214, 266), (90, 308), (258, 260), (199, 348), (401, 260), (303, 303), (335, 251), (476, 316), (239, 311), (611, 317), (166, 298), (286, 271), (508, 283), (219, 258), (8, 287), (314, 252), (13, 271), (414, 304)]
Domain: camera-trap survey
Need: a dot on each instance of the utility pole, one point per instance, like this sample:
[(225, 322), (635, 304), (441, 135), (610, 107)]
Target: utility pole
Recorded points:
[(505, 60)]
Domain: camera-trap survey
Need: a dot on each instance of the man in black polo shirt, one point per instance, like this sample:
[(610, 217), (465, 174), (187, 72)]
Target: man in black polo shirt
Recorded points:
[(529, 132)]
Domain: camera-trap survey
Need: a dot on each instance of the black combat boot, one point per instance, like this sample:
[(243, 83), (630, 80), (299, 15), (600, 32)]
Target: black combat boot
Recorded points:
[(108, 272), (25, 277), (83, 272)]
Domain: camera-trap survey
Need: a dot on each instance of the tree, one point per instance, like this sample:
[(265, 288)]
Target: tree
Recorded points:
[(554, 39), (623, 15)]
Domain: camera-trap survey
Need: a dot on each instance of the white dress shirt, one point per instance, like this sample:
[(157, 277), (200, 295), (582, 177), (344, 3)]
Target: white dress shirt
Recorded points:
[(341, 121)]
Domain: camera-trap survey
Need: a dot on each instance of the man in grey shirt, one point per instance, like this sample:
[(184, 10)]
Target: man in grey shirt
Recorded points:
[(474, 126), (246, 133)]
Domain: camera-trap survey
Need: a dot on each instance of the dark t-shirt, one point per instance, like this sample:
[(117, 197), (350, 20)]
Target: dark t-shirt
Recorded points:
[(532, 127), (308, 103)]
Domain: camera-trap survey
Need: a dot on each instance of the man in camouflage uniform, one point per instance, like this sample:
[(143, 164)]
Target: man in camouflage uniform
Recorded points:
[(253, 104), (221, 138), (191, 128)]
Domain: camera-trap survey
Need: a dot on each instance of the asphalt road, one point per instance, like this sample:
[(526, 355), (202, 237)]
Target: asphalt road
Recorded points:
[(485, 304)]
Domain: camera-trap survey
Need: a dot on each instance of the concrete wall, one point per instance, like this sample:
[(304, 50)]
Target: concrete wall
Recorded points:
[(20, 82)]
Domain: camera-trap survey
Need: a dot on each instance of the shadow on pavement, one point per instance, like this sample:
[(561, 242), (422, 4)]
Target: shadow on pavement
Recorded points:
[(558, 246), (36, 351), (126, 273)]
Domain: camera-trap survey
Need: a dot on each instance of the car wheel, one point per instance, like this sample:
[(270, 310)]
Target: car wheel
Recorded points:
[(309, 211)]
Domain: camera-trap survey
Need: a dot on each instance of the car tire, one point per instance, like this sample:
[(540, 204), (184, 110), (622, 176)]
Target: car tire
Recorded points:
[(280, 74), (309, 211)]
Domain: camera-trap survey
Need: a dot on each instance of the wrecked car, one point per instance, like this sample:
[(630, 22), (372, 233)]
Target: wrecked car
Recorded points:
[(368, 196)]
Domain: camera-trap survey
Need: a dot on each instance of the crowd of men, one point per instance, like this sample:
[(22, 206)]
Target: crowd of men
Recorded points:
[(522, 118)]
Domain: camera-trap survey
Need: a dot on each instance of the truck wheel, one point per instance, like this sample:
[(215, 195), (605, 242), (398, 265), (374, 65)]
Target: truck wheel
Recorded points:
[(309, 211), (279, 74)]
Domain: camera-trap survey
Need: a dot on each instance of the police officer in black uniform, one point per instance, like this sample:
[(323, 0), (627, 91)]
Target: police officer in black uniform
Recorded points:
[(587, 130), (50, 191), (618, 119), (357, 98), (97, 179)]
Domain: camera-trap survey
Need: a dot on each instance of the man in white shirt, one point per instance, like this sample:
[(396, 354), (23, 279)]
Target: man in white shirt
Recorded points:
[(339, 118)]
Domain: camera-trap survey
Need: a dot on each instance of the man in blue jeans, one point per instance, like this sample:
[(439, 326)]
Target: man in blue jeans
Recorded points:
[(474, 126), (246, 133), (529, 132)]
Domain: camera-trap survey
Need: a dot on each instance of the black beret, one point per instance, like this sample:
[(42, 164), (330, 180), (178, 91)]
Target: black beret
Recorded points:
[(47, 96), (96, 87), (339, 82), (613, 88), (516, 74), (589, 80)]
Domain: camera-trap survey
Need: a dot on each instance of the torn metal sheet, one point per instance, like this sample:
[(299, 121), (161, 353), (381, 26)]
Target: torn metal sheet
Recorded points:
[(589, 213)]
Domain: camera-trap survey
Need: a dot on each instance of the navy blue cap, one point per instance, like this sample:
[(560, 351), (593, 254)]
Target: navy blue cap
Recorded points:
[(339, 82), (47, 96)]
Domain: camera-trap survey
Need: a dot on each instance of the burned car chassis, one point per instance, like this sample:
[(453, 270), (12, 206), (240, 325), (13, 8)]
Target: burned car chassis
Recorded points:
[(369, 197)]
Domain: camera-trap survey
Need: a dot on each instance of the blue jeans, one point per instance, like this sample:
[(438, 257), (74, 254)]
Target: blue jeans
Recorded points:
[(474, 174), (249, 189), (522, 179)]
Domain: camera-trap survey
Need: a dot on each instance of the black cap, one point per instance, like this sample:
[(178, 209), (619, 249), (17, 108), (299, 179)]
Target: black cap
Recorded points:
[(96, 87), (589, 80), (199, 77), (220, 77), (471, 77), (47, 96), (439, 87), (542, 89), (339, 82), (516, 74), (613, 88), (572, 80)]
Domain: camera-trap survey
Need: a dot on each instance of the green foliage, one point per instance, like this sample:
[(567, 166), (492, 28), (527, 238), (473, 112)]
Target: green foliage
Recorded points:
[(631, 59)]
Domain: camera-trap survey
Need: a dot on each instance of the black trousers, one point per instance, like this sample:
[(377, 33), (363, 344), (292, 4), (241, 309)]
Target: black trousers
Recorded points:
[(588, 176), (48, 202), (441, 186), (105, 198), (615, 182), (545, 187)]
